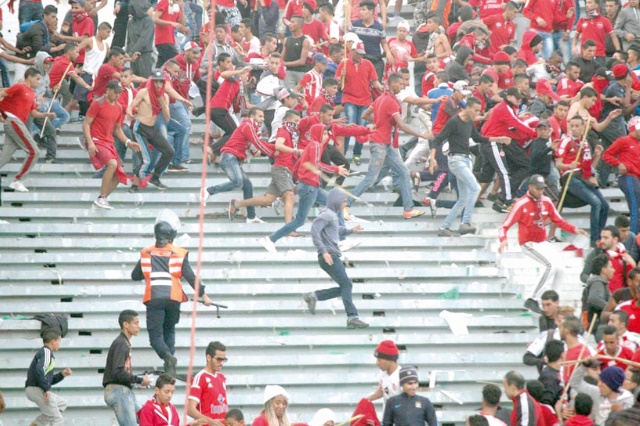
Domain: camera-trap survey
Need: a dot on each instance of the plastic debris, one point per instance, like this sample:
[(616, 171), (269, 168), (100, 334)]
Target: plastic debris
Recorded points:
[(453, 294)]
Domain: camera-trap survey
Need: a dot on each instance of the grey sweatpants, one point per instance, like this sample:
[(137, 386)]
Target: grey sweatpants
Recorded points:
[(51, 411), (16, 136)]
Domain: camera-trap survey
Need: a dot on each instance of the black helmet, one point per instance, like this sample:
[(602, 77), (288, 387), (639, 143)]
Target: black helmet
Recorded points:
[(164, 233)]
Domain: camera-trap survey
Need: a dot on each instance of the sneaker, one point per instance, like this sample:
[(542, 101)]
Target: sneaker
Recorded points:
[(170, 363), (17, 185), (444, 232), (466, 228), (431, 203), (134, 189), (415, 178), (233, 210), (357, 160), (255, 220), (533, 306), (52, 161), (356, 323), (156, 182), (492, 197), (102, 203), (310, 300), (82, 142), (347, 245), (204, 195), (500, 207), (268, 244), (277, 206), (177, 169), (412, 213)]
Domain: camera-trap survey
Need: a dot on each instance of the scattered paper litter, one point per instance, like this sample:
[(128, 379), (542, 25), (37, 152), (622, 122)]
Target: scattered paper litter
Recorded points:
[(457, 322)]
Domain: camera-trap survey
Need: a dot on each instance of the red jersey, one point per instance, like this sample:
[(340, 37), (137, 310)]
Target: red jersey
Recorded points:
[(384, 110), (526, 411), (503, 80), (155, 414), (502, 32), (187, 74), (105, 117), (19, 101), (318, 103), (531, 216), (428, 82), (633, 310), (558, 128), (534, 9), (448, 109), (504, 122), (293, 7), (210, 392), (285, 159), (106, 73), (561, 22), (487, 7), (165, 34), (311, 83), (568, 151), (357, 89), (625, 150), (401, 51), (225, 95), (82, 27), (315, 30), (304, 129), (573, 354), (246, 133), (595, 29), (312, 154), (624, 353), (58, 68), (568, 87)]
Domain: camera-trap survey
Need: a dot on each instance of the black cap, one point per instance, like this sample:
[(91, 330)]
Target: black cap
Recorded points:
[(538, 181), (114, 85), (512, 91), (157, 75)]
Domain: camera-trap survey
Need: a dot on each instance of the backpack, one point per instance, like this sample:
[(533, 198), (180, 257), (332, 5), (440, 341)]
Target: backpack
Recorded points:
[(53, 321)]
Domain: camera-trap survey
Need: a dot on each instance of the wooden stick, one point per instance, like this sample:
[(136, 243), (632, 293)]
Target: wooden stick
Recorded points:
[(566, 386), (566, 184), (315, 169), (345, 10), (613, 358), (54, 97), (352, 419)]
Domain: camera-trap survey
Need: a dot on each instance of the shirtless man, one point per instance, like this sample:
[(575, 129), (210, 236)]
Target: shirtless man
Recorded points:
[(151, 101), (438, 42), (587, 98)]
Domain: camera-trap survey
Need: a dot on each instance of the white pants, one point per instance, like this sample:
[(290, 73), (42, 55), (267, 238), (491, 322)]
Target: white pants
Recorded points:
[(421, 150), (51, 411), (547, 255)]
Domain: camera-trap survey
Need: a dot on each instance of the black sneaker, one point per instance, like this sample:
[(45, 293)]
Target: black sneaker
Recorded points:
[(500, 207), (156, 182), (134, 189), (198, 111), (533, 306), (444, 232), (170, 363), (177, 169), (492, 197), (311, 302), (356, 323), (466, 228)]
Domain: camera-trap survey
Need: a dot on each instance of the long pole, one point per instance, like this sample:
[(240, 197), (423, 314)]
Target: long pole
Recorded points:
[(55, 94), (566, 184)]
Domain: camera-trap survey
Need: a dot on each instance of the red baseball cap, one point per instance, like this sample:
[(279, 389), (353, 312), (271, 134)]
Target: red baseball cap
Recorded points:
[(543, 87)]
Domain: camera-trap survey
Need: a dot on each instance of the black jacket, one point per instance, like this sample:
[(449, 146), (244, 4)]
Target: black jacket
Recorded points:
[(37, 38)]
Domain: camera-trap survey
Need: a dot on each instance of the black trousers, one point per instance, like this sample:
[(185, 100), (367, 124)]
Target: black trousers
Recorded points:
[(120, 28), (153, 137), (495, 161), (162, 317), (222, 119), (331, 154), (165, 52)]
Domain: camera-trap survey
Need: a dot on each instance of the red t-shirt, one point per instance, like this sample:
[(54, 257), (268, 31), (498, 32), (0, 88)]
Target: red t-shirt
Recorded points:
[(86, 27), (557, 128), (357, 88), (58, 68), (19, 101), (384, 108), (503, 80), (623, 352), (634, 314), (165, 34), (225, 94), (428, 82), (596, 30), (105, 75), (315, 30), (568, 87), (573, 354), (568, 151), (502, 32), (210, 392), (285, 159), (487, 7), (105, 117)]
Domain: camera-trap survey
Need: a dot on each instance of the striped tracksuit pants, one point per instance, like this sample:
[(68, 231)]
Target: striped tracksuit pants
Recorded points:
[(16, 136)]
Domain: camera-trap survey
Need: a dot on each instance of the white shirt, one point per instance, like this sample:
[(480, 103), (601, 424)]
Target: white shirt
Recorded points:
[(407, 92), (390, 384), (493, 421)]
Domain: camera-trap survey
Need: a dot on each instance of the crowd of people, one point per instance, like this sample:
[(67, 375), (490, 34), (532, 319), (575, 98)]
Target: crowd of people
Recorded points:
[(529, 106)]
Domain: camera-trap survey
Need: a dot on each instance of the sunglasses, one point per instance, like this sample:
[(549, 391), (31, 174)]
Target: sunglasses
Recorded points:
[(221, 359)]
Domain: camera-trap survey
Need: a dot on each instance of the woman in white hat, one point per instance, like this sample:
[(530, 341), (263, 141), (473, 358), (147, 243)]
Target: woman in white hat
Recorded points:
[(323, 417), (276, 401)]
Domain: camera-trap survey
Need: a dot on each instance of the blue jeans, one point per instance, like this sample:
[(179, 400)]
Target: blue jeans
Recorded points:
[(180, 114), (468, 189), (237, 180), (339, 275), (354, 116), (381, 156), (630, 185), (547, 43), (308, 196), (4, 73), (175, 134), (564, 46), (62, 116), (30, 11), (599, 206), (123, 402)]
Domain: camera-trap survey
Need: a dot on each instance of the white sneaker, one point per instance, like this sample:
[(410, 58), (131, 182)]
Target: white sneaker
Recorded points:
[(386, 183), (82, 142), (268, 244), (102, 203), (277, 206), (17, 185), (255, 220), (204, 196), (347, 245)]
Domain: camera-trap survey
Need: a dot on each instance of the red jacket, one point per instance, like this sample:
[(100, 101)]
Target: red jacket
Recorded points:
[(469, 40), (531, 216), (504, 122), (155, 414), (525, 53), (560, 20), (625, 150), (187, 74), (304, 129), (239, 141), (534, 9), (312, 154), (526, 411)]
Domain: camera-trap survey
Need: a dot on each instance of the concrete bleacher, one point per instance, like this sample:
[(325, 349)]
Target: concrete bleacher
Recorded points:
[(58, 254)]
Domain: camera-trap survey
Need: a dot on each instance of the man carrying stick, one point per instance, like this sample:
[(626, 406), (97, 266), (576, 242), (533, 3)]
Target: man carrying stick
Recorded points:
[(530, 213)]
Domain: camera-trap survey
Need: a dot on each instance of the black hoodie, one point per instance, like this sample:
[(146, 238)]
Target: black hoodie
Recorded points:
[(456, 68)]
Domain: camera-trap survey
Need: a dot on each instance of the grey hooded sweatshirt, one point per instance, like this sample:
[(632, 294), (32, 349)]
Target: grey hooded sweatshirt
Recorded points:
[(455, 68), (43, 88), (141, 29), (326, 229)]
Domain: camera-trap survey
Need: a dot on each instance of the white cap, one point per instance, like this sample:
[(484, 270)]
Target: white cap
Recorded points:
[(351, 37), (271, 391), (462, 87), (322, 416), (634, 124), (170, 217)]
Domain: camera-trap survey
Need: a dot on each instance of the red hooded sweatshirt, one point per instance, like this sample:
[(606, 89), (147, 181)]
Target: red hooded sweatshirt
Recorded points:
[(525, 53), (625, 150), (504, 122), (534, 9), (312, 154)]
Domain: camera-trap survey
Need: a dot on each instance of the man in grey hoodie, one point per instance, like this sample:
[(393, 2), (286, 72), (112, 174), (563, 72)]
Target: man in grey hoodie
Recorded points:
[(326, 232), (140, 38), (457, 67), (596, 292)]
